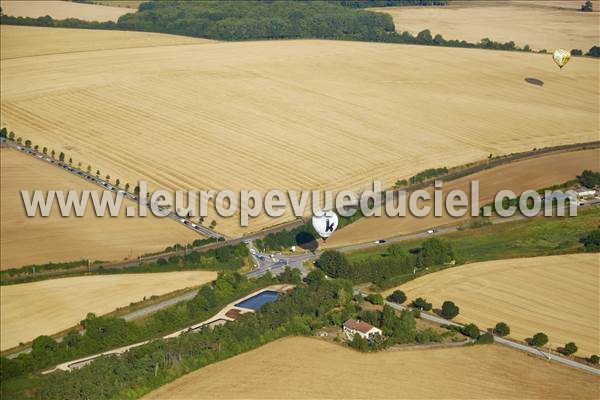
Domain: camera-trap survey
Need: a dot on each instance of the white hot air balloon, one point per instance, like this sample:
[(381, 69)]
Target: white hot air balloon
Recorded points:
[(325, 222)]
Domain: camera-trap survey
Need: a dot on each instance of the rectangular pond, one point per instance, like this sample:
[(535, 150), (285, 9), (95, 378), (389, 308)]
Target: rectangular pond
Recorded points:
[(257, 301)]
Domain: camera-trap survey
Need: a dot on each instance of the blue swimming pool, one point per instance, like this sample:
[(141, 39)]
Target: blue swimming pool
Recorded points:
[(259, 300)]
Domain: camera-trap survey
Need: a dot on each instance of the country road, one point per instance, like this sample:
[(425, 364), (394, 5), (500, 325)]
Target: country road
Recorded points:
[(505, 342)]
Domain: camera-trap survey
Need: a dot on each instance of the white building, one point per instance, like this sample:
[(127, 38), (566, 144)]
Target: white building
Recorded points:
[(366, 331), (584, 192)]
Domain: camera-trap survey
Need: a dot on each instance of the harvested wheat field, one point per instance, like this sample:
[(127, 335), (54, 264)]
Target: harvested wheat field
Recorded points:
[(535, 173), (557, 295), (39, 240), (27, 41), (308, 368), (303, 114), (48, 307), (62, 10), (541, 25)]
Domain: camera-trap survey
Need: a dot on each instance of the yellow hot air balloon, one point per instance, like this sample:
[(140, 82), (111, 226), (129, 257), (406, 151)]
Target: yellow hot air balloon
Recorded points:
[(561, 57)]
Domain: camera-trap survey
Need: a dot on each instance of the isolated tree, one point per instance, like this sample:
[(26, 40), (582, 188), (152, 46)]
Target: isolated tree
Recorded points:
[(136, 190), (594, 359), (539, 339), (397, 296), (3, 132), (70, 161), (11, 136), (118, 182), (36, 147), (127, 187), (19, 140), (421, 304), (45, 150), (61, 157), (486, 338), (52, 153), (588, 6), (79, 165), (449, 310), (570, 348), (471, 330), (213, 223), (97, 173), (89, 169), (576, 52), (107, 177), (594, 52), (502, 329), (28, 143)]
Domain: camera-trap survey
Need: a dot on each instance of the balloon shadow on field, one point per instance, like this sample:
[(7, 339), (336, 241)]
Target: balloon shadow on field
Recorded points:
[(534, 81), (307, 241)]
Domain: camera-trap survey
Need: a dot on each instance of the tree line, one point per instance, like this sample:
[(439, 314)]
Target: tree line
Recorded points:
[(160, 361), (257, 20), (382, 270), (105, 333)]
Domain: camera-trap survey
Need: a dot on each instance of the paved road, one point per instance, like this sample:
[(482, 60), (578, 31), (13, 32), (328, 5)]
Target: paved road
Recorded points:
[(505, 342), (108, 186)]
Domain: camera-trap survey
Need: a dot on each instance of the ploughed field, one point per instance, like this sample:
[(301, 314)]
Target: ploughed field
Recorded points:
[(557, 295), (48, 307), (39, 240), (540, 24), (309, 368)]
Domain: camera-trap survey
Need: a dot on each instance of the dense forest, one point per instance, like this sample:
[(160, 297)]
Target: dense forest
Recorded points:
[(382, 270), (259, 20)]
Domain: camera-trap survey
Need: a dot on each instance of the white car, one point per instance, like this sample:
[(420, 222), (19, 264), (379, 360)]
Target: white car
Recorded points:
[(430, 232), (252, 251)]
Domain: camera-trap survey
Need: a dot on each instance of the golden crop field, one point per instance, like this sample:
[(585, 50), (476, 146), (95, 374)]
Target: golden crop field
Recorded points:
[(307, 368), (62, 10), (557, 295), (541, 24), (27, 41), (535, 173), (48, 307), (303, 114), (40, 240)]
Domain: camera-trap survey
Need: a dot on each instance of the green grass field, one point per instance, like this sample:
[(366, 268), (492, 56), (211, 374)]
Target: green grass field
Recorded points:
[(539, 236)]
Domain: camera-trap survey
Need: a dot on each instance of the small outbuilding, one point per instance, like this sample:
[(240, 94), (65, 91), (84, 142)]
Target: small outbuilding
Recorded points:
[(584, 192), (366, 331)]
